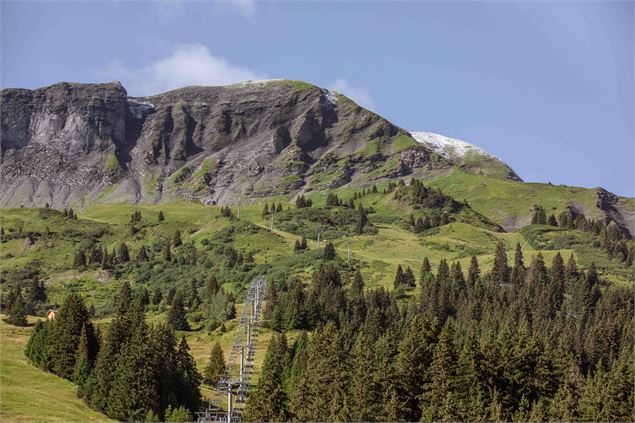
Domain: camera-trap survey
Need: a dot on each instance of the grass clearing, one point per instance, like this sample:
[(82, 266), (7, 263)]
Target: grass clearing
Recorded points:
[(29, 394)]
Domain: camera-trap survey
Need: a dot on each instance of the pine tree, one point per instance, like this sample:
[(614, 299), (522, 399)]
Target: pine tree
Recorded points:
[(303, 243), (176, 315), (178, 415), (167, 252), (142, 296), (439, 390), (399, 277), (124, 255), (443, 272), (37, 348), (357, 286), (216, 365), (500, 270), (176, 240), (143, 254), (472, 378), (128, 318), (157, 296), (409, 278), (82, 362), (134, 388), (571, 271), (188, 378), (17, 311), (212, 287), (123, 299), (425, 266), (365, 393), (458, 279), (37, 291), (362, 219), (66, 334), (268, 400), (411, 365), (320, 394), (425, 275), (537, 273), (161, 217), (518, 271), (420, 225), (151, 416), (329, 252), (474, 273)]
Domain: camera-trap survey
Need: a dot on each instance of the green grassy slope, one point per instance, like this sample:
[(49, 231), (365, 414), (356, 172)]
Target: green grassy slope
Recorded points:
[(508, 202), (378, 253), (28, 394)]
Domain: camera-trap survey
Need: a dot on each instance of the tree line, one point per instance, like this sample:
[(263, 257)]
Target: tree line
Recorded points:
[(520, 343)]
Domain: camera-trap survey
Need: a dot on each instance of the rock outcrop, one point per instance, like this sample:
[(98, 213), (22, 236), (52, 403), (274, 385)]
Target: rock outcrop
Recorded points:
[(76, 144)]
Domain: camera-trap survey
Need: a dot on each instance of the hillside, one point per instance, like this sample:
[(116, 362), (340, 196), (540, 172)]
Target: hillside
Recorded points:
[(49, 397), (466, 156), (81, 144), (384, 251), (68, 253)]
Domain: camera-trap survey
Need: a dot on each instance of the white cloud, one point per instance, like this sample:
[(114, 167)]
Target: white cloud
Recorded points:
[(188, 64), (356, 93)]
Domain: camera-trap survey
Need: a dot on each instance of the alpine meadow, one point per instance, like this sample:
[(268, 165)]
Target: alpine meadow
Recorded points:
[(197, 241)]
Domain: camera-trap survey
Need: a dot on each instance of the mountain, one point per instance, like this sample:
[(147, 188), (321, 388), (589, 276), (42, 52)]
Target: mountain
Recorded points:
[(360, 230), (85, 143), (466, 156), (73, 144)]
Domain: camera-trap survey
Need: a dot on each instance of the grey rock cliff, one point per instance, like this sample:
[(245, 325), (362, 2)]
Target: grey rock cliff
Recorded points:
[(76, 144)]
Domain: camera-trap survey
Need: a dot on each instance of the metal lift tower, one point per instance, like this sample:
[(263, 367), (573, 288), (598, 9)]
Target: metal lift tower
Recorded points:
[(235, 382)]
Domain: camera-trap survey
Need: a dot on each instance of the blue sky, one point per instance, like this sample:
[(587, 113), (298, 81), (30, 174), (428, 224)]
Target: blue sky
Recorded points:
[(546, 86)]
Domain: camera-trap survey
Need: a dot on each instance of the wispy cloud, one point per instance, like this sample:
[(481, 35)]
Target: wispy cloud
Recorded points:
[(187, 64), (356, 93)]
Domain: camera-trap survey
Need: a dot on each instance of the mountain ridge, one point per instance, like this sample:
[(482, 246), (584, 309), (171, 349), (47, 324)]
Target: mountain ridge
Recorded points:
[(466, 156), (72, 144), (282, 134)]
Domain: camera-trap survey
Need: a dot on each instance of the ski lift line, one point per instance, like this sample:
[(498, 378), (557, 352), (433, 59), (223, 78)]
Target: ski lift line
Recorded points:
[(249, 322)]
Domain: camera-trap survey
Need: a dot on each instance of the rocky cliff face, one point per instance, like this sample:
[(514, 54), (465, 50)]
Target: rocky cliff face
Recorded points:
[(74, 144)]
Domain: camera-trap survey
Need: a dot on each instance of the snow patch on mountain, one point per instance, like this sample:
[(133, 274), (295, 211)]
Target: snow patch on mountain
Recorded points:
[(330, 97), (449, 147)]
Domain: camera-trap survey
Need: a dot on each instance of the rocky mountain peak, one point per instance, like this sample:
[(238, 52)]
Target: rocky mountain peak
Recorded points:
[(75, 143)]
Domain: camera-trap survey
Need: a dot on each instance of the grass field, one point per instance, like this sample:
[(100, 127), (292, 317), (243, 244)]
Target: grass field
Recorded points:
[(28, 394)]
